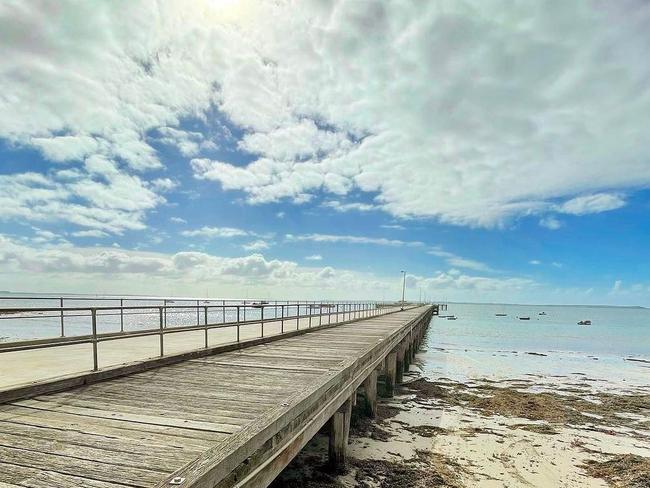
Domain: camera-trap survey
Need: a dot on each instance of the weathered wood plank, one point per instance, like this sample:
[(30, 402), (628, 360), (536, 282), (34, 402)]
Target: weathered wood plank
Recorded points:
[(139, 419), (110, 429), (26, 477), (95, 470)]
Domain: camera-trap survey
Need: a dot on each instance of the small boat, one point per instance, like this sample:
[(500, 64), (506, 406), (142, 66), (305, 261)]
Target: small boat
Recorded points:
[(584, 322), (523, 318), (541, 313), (452, 317), (259, 304), (501, 314)]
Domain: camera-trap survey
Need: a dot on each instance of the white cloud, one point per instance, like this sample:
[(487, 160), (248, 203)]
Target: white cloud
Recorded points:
[(458, 281), (258, 245), (65, 148), (163, 184), (535, 262), (562, 111), (314, 257), (457, 261), (393, 226), (350, 206), (379, 241), (212, 232), (341, 96), (589, 204), (178, 220), (90, 233), (551, 223), (188, 143), (97, 269), (114, 205), (294, 141)]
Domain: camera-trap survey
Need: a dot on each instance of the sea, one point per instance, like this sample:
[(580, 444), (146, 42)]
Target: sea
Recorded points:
[(36, 323), (614, 349)]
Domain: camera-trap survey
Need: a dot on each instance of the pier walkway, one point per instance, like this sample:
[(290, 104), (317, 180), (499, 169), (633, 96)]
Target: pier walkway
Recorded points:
[(229, 419)]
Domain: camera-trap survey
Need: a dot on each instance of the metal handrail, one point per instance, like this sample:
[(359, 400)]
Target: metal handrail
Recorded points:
[(354, 310)]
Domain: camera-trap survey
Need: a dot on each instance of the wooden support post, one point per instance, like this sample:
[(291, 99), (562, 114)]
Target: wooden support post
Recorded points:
[(400, 361), (407, 357), (339, 433), (370, 390), (389, 376)]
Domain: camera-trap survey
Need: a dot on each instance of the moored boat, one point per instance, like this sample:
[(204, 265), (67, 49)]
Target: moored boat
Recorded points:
[(584, 322), (523, 318)]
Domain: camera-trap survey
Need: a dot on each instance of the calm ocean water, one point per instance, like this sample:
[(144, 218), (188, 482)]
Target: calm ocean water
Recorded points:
[(480, 344), (21, 326)]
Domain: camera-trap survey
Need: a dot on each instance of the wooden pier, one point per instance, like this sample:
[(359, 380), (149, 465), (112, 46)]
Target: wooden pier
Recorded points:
[(226, 419)]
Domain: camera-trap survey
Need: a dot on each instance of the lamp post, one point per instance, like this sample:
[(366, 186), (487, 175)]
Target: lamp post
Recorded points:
[(403, 287)]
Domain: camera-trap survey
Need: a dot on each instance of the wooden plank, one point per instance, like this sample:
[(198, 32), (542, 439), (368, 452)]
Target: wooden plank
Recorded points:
[(140, 419), (133, 406), (248, 366), (153, 459), (26, 477), (109, 428), (159, 450), (95, 470)]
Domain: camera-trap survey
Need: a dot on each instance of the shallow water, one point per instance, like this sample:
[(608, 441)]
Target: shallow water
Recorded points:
[(480, 344), (189, 311)]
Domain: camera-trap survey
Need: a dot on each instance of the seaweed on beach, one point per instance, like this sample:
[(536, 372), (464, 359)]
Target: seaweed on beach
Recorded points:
[(550, 407), (425, 470), (536, 428), (426, 430), (621, 470), (373, 428)]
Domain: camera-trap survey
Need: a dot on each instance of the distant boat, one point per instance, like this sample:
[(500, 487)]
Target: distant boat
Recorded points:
[(584, 322), (259, 304), (452, 317), (542, 313), (501, 314), (524, 318)]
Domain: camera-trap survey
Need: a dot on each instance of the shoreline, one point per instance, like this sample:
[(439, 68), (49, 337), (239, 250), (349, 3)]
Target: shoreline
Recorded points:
[(486, 432)]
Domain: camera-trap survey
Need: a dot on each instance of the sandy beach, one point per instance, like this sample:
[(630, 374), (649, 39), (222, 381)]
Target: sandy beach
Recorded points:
[(530, 430)]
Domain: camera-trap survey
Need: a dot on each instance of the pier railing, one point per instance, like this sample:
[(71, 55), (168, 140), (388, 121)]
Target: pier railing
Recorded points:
[(197, 315)]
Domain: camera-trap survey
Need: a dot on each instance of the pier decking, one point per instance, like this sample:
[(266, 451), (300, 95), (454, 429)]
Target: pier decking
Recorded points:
[(231, 419)]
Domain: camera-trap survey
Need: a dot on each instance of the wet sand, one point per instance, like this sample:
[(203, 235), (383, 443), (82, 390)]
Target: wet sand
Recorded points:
[(519, 432)]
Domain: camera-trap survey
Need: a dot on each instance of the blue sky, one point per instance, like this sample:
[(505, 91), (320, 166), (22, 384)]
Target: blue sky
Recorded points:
[(495, 151)]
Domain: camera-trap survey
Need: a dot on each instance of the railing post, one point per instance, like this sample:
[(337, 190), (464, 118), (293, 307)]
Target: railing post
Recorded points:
[(62, 328), (93, 314), (121, 314), (223, 311), (244, 310), (237, 323), (337, 312), (205, 323), (198, 314), (262, 320), (297, 315), (162, 349), (165, 312), (282, 319), (310, 309)]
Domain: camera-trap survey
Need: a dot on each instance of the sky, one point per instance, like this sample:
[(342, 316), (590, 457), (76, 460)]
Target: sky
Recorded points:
[(497, 151)]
